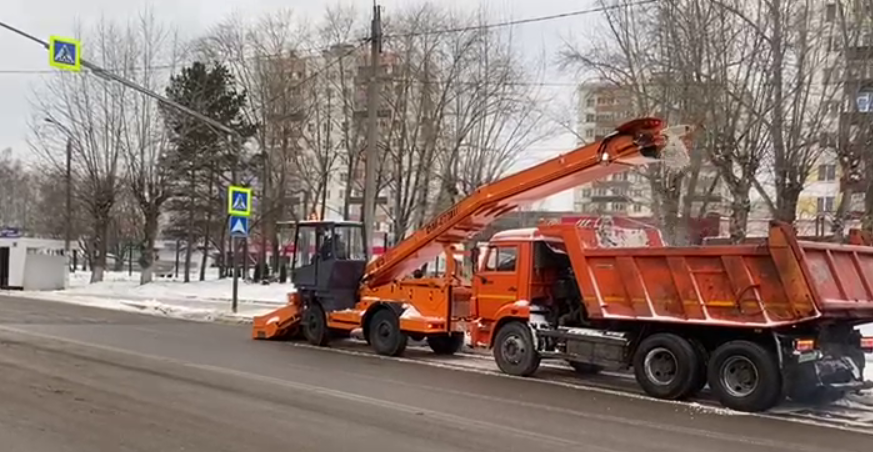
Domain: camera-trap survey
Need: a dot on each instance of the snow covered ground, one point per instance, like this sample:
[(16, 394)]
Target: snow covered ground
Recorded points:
[(207, 300)]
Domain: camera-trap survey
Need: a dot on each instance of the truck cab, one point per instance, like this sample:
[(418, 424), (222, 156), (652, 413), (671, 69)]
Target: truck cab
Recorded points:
[(523, 268)]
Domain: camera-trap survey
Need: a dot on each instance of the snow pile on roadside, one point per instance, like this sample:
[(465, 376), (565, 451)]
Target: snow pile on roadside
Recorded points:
[(197, 310), (122, 285), (208, 300)]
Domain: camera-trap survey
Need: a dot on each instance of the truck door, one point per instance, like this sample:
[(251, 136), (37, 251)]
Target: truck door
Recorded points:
[(496, 284)]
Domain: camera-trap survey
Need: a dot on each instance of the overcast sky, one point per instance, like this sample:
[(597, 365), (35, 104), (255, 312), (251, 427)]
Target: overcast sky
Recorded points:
[(59, 17)]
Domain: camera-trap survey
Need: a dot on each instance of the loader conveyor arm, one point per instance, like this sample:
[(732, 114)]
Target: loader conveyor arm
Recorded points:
[(636, 143)]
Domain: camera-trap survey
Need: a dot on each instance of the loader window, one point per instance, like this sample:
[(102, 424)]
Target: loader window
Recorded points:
[(349, 243), (501, 259)]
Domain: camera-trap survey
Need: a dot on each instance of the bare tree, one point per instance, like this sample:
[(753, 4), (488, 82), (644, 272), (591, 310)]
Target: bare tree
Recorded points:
[(20, 190), (145, 137), (91, 112), (656, 53), (460, 108)]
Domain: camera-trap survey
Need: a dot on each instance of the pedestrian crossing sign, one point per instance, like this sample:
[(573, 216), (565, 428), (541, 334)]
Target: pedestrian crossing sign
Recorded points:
[(239, 201), (239, 227), (65, 53)]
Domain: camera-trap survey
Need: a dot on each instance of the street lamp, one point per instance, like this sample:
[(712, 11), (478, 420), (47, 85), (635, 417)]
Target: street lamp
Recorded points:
[(69, 194)]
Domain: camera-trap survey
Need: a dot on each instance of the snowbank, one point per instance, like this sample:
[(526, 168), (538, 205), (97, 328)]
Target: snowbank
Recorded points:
[(208, 300), (121, 284)]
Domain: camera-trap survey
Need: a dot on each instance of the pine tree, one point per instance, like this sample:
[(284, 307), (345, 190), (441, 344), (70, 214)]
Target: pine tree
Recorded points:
[(203, 159)]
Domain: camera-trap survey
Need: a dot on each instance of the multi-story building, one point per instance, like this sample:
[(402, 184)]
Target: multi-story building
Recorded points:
[(327, 121), (843, 84)]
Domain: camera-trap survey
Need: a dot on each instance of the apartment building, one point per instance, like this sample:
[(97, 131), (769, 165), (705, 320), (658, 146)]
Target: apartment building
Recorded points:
[(328, 126), (846, 76)]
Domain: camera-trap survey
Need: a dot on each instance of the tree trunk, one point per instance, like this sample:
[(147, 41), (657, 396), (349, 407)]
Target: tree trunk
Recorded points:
[(98, 264), (189, 241), (222, 250), (148, 257), (740, 208)]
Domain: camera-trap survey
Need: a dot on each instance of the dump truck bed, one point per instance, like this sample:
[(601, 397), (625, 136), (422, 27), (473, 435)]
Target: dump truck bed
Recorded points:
[(779, 282)]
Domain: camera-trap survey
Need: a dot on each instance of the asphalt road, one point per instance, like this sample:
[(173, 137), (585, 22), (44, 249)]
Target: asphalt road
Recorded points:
[(82, 379)]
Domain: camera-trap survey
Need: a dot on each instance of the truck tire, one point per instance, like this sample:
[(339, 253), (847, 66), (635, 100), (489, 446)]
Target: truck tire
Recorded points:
[(446, 345), (514, 350), (314, 325), (667, 366), (585, 368), (745, 376), (385, 335)]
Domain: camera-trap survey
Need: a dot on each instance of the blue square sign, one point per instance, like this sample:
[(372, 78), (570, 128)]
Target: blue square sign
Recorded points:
[(65, 53), (239, 226)]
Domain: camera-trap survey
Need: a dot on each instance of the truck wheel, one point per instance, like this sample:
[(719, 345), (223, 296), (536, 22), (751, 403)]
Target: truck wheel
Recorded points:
[(385, 335), (314, 325), (514, 350), (446, 345), (667, 366), (585, 368), (745, 376)]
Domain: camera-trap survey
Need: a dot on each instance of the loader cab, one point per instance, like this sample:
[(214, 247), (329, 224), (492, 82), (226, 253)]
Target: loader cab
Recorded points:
[(328, 261)]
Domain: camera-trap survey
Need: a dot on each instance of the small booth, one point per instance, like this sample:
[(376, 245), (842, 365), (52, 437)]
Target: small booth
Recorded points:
[(32, 264)]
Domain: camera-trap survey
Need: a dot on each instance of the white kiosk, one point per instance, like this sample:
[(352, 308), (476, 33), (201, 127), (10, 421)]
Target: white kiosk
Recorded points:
[(32, 264)]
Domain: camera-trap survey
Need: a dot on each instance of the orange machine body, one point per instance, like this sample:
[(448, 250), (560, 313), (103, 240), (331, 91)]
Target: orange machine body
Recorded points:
[(777, 283), (435, 301)]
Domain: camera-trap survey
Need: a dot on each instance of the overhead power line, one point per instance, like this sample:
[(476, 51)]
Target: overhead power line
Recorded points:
[(510, 23), (529, 20)]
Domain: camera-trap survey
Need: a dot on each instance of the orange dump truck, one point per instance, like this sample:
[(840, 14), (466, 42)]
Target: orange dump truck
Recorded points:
[(755, 322)]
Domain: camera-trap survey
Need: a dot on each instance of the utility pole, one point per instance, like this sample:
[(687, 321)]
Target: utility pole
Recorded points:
[(68, 228), (372, 155)]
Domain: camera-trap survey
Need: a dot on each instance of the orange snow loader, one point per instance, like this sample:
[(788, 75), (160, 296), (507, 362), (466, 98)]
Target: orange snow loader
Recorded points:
[(756, 322)]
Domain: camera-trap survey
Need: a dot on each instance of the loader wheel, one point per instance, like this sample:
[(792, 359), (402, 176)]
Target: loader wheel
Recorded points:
[(385, 335), (315, 325), (514, 350), (585, 368), (667, 366), (745, 376), (446, 345)]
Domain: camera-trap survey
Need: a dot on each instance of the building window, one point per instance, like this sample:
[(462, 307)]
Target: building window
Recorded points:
[(589, 133), (637, 193), (827, 139), (831, 12), (600, 191), (638, 208), (589, 117), (619, 207), (827, 172), (590, 102), (586, 192), (825, 204), (620, 177)]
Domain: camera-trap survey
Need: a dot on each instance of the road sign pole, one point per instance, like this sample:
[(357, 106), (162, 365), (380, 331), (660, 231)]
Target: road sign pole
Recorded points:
[(239, 210), (233, 306)]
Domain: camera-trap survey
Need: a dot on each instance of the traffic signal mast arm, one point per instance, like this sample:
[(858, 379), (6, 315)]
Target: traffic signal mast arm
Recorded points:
[(633, 144)]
